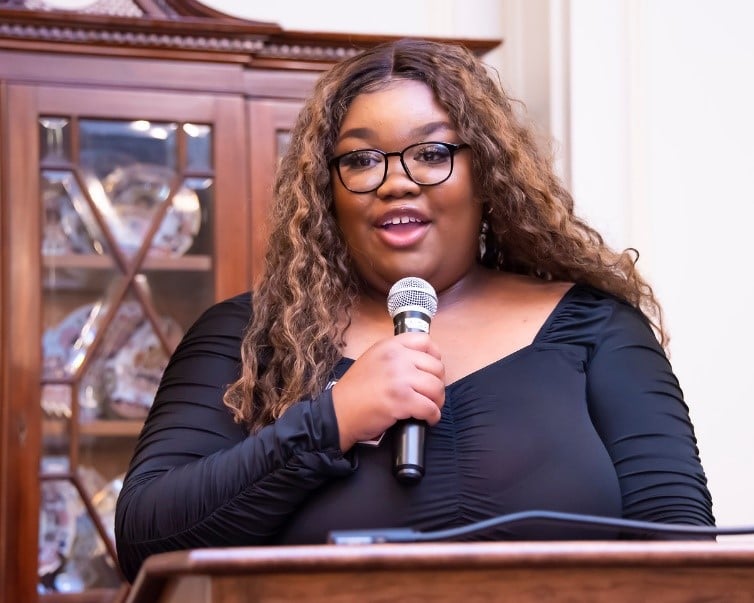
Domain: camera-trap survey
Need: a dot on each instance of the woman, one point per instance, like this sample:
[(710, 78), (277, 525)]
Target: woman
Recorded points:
[(542, 381)]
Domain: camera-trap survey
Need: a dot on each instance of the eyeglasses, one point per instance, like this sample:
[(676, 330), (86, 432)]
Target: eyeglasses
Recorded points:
[(426, 163)]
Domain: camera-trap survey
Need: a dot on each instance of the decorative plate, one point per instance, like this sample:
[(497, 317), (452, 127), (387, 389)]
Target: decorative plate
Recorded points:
[(131, 376), (57, 519), (90, 565), (123, 376), (64, 349), (128, 198), (69, 224), (72, 554)]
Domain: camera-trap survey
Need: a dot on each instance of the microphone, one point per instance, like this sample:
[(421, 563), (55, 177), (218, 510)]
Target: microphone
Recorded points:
[(627, 526), (412, 303)]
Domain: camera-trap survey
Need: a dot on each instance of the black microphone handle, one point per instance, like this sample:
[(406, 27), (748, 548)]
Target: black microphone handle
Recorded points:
[(408, 449), (408, 462)]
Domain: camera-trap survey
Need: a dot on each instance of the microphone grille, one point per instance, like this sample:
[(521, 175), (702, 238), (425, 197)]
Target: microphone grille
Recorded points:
[(412, 291)]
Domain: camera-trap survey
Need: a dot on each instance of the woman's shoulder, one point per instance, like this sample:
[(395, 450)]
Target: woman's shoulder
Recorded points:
[(227, 317), (238, 304), (584, 314)]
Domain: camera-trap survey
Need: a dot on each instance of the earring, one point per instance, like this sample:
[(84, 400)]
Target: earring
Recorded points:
[(483, 230)]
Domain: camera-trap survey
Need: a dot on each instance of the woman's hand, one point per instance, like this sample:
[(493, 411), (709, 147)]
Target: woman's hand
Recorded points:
[(397, 378)]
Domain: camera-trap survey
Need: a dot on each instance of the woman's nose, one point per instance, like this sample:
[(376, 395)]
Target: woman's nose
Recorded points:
[(397, 181)]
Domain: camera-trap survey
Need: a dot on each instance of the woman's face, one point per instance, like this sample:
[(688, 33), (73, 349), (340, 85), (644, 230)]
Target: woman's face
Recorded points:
[(403, 228)]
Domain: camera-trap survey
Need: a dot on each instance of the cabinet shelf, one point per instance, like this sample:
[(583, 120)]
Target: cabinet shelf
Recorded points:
[(114, 428), (99, 595), (200, 263)]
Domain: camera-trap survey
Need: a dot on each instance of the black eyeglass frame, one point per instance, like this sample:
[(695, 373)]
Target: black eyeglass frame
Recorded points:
[(453, 148)]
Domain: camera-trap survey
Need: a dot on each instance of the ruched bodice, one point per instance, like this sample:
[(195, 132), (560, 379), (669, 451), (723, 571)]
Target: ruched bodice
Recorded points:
[(539, 429)]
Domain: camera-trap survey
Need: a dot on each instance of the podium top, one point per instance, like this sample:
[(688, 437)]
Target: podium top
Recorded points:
[(384, 563)]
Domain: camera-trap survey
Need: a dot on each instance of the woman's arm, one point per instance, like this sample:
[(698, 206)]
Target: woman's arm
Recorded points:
[(637, 407), (197, 479)]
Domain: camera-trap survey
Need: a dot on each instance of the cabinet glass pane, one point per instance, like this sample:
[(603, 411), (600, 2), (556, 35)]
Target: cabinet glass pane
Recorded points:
[(74, 549), (198, 147), (54, 140), (128, 258), (106, 145), (69, 223), (282, 140)]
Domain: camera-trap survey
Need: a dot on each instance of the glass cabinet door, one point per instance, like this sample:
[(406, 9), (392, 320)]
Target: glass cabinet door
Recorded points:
[(137, 237), (127, 210)]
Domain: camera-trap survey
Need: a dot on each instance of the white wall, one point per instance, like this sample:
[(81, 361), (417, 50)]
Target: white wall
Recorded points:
[(459, 18), (651, 102)]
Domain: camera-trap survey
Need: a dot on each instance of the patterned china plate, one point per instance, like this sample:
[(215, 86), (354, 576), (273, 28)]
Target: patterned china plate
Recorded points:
[(129, 196), (122, 378)]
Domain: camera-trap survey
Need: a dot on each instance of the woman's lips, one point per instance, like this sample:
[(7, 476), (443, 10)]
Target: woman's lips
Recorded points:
[(402, 235)]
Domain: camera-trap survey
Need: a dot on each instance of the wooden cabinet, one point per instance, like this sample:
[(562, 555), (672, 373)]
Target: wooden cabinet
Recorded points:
[(138, 145)]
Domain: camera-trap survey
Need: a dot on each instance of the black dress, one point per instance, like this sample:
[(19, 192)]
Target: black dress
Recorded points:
[(589, 418)]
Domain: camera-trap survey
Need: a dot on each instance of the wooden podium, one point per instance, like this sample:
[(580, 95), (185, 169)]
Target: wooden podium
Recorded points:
[(614, 571)]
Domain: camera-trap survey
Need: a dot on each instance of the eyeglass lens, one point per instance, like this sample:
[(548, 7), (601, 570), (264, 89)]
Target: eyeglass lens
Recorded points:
[(425, 163)]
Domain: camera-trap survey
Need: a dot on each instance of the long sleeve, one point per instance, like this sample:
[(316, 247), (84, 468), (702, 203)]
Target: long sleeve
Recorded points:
[(197, 479), (638, 409)]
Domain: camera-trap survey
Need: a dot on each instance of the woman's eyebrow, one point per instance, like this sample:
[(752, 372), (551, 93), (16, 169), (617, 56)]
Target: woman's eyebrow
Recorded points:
[(356, 133), (432, 127)]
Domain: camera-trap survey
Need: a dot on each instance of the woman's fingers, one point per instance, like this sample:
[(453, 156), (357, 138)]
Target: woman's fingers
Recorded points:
[(397, 378)]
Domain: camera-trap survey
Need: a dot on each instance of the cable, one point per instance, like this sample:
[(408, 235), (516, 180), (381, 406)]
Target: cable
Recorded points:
[(386, 535)]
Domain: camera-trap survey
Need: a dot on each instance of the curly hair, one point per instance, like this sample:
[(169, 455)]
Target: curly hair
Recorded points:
[(302, 304)]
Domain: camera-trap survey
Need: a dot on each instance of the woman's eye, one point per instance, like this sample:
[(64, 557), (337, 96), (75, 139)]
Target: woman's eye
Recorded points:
[(359, 160), (432, 154)]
